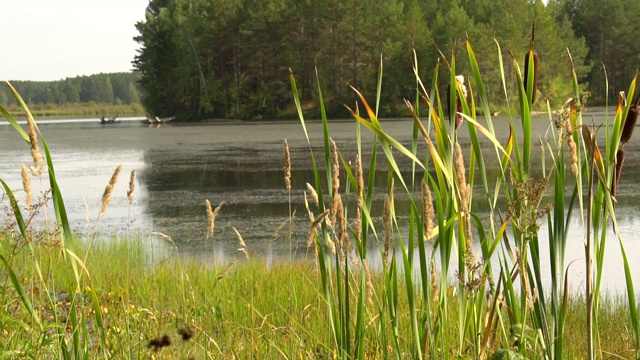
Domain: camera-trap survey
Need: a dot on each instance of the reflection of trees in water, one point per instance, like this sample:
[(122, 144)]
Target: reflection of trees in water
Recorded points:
[(252, 188)]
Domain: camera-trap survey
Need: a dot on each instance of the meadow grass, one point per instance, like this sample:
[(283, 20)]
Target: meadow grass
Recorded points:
[(65, 297)]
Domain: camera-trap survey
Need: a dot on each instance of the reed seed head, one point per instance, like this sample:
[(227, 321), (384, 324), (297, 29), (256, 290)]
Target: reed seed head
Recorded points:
[(573, 153), (243, 246), (38, 163), (434, 282), (26, 185), (428, 211), (358, 224), (211, 217), (369, 281), (106, 196), (132, 186), (314, 194), (458, 104), (335, 169), (287, 166)]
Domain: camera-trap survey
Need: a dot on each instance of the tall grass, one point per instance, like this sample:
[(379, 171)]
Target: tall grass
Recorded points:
[(505, 310)]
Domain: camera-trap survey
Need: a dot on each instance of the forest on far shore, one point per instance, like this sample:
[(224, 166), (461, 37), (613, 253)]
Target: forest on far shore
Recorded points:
[(231, 58), (100, 94), (207, 59)]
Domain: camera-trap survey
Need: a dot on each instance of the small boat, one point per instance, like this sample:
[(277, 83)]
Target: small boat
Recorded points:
[(157, 120), (112, 120)]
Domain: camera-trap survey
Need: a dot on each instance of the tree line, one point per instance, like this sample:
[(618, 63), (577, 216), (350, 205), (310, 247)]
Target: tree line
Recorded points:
[(114, 88), (231, 58)]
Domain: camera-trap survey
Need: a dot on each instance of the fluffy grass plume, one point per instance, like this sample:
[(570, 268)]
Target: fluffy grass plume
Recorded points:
[(106, 196)]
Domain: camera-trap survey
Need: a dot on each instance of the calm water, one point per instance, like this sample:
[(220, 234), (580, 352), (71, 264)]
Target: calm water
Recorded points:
[(241, 164)]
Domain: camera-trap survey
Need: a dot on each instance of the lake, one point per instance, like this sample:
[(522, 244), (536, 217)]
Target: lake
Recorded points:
[(240, 164)]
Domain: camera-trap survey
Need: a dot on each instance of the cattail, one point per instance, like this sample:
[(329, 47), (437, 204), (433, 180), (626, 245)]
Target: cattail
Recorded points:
[(287, 166), (132, 186), (26, 184), (458, 108), (619, 163), (38, 167), (314, 194), (630, 123), (428, 211), (243, 246), (106, 197)]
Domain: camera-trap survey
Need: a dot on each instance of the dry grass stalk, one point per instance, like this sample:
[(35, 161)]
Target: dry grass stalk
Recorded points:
[(38, 163), (166, 237), (106, 197), (243, 246), (211, 217), (287, 166), (132, 186), (26, 185), (313, 231), (428, 211), (314, 194)]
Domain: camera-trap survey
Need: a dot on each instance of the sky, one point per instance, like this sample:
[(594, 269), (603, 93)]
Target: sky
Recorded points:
[(46, 40)]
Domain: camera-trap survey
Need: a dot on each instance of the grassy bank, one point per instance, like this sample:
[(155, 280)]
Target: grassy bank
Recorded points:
[(241, 310), (80, 109)]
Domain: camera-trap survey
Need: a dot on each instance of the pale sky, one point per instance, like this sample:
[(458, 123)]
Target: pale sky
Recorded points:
[(54, 39)]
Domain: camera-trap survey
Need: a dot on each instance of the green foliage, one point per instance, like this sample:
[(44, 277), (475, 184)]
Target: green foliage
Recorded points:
[(230, 59), (100, 89)]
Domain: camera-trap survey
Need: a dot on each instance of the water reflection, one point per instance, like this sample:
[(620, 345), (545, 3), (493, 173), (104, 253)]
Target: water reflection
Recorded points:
[(241, 166)]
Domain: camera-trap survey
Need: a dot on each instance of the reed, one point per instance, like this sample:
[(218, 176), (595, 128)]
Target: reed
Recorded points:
[(106, 196)]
